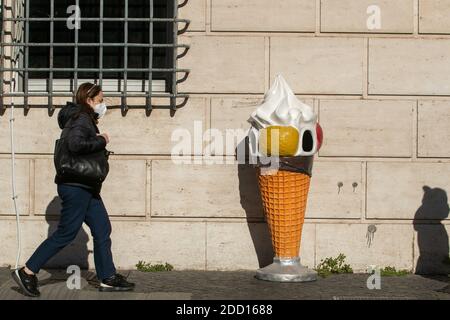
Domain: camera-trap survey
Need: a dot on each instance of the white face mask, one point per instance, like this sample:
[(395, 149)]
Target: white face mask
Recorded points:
[(100, 109)]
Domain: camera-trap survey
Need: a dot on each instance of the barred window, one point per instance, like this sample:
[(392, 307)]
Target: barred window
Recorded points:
[(129, 47)]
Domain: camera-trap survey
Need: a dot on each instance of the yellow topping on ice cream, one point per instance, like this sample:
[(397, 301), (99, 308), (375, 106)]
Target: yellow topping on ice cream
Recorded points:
[(279, 141)]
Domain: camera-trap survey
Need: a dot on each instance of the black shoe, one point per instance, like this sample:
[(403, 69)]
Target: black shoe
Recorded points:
[(26, 282), (116, 283)]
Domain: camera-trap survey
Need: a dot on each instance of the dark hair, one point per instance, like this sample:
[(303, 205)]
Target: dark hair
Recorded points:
[(85, 91)]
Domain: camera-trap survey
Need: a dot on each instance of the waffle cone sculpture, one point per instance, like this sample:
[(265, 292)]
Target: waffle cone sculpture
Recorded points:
[(284, 195)]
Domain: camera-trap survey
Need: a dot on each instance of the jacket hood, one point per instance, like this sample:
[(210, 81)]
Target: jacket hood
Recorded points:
[(66, 113)]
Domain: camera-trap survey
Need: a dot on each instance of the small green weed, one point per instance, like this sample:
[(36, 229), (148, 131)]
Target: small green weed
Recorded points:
[(331, 265), (147, 267), (391, 271)]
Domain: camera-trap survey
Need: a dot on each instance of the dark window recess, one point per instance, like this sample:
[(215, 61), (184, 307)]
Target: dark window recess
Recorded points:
[(127, 46)]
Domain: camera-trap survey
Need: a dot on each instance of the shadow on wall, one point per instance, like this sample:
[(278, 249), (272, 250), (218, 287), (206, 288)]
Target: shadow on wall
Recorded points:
[(250, 200), (432, 239), (76, 253)]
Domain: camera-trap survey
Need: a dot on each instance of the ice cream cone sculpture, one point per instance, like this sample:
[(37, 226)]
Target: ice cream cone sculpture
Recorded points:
[(284, 129), (284, 195)]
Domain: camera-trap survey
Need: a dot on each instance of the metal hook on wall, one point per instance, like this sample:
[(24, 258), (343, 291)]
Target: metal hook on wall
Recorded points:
[(340, 185)]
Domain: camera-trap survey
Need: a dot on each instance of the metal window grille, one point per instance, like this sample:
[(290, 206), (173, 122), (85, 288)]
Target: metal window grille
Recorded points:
[(17, 44)]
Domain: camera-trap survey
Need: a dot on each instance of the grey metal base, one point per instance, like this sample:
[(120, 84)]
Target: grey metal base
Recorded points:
[(283, 270)]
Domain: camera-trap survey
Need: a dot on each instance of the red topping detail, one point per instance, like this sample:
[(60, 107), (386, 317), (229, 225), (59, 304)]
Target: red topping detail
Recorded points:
[(319, 133)]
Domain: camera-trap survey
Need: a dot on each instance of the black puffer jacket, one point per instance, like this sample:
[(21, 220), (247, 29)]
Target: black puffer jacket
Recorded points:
[(82, 138)]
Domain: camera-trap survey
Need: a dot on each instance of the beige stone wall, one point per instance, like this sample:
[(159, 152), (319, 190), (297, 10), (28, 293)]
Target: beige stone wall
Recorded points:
[(383, 98)]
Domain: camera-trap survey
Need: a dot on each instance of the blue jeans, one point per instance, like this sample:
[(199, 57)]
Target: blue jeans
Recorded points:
[(78, 206)]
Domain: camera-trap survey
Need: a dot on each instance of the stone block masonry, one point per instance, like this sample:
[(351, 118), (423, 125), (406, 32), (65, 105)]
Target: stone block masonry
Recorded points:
[(377, 73)]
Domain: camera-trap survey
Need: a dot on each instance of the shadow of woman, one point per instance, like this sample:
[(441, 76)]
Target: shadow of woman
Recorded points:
[(432, 239), (250, 200), (76, 253)]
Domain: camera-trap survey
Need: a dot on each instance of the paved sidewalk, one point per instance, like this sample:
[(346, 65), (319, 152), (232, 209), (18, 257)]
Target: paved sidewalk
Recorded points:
[(199, 285)]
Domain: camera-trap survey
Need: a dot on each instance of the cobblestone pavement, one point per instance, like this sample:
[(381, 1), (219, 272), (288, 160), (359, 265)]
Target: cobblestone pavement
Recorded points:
[(199, 285)]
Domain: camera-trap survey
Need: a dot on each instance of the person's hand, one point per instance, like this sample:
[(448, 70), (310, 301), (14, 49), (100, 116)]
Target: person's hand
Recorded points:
[(104, 135)]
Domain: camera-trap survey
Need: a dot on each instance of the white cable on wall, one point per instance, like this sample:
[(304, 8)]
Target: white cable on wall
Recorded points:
[(14, 57), (13, 181)]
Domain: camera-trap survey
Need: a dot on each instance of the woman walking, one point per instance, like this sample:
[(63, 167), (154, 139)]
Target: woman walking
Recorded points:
[(80, 200)]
